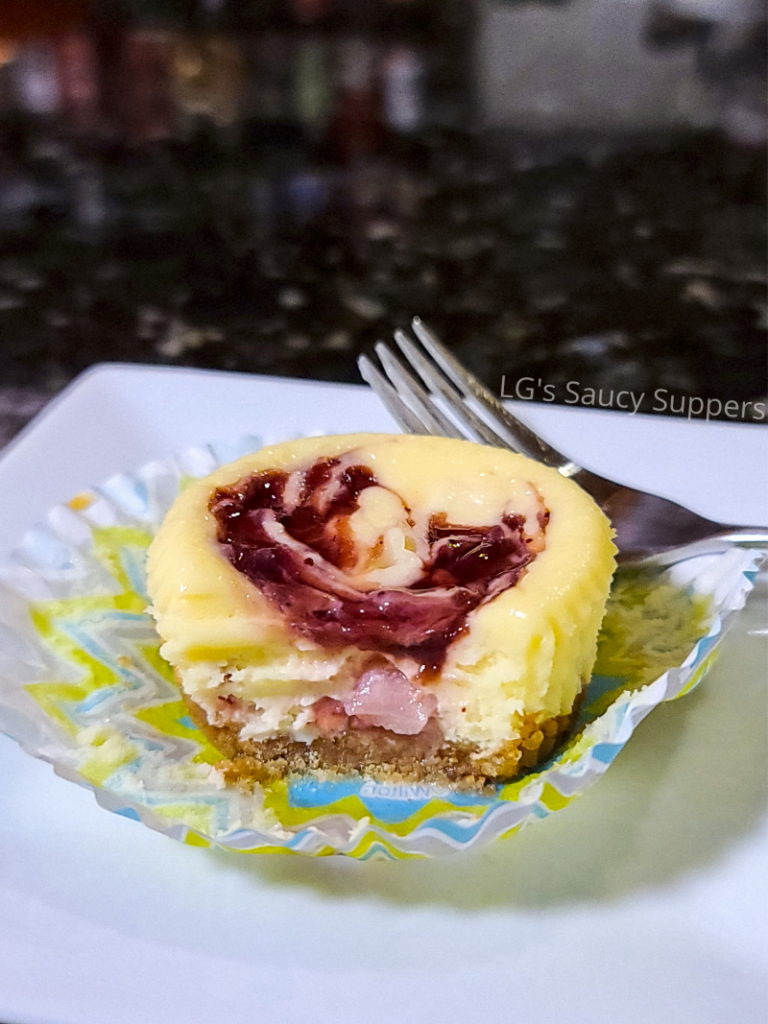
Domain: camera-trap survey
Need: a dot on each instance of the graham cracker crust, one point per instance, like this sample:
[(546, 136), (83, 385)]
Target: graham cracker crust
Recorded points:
[(381, 754)]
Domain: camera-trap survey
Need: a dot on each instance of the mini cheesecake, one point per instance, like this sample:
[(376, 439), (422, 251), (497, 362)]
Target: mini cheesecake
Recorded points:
[(404, 606)]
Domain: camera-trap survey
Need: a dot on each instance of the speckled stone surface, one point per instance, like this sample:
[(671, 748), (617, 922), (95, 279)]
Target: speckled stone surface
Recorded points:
[(616, 265)]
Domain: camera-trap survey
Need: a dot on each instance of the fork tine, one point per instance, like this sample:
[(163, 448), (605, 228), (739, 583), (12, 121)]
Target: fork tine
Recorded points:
[(400, 412), (414, 395), (521, 437), (434, 379)]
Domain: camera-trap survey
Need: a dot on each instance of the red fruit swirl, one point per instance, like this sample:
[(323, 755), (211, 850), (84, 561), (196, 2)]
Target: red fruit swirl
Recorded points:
[(297, 551)]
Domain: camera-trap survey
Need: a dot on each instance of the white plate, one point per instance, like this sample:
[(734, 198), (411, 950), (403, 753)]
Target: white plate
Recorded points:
[(643, 902)]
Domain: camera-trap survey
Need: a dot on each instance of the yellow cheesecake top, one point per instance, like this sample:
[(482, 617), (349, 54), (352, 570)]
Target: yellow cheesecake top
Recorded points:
[(208, 611)]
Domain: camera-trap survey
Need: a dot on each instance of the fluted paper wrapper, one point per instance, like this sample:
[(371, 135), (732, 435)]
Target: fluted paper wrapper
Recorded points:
[(83, 686)]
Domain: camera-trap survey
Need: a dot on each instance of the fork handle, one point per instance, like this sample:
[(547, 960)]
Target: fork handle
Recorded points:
[(732, 536), (744, 536)]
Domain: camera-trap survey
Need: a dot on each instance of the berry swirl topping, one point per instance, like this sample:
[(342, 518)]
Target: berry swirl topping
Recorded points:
[(348, 562)]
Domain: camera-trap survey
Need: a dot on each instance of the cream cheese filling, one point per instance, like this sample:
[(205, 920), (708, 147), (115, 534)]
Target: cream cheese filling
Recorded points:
[(525, 651), (272, 701)]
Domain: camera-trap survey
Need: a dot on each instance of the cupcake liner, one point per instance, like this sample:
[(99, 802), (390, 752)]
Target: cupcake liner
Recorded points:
[(83, 686)]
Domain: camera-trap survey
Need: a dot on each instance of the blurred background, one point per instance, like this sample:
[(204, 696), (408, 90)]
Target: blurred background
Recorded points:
[(568, 190)]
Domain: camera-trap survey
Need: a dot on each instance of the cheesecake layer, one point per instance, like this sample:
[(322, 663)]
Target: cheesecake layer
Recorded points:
[(321, 589)]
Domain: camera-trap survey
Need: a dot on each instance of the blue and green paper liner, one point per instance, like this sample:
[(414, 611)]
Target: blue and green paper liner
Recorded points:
[(83, 686)]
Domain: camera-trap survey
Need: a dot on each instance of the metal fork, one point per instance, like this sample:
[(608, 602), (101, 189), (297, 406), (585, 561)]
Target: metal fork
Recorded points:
[(647, 526)]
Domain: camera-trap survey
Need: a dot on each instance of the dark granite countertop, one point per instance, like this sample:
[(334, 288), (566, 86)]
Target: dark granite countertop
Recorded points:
[(586, 261)]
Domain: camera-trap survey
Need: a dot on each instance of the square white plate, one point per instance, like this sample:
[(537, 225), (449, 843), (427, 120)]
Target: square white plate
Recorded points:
[(643, 902)]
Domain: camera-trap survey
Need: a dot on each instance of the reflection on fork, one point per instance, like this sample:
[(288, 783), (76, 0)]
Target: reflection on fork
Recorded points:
[(430, 392)]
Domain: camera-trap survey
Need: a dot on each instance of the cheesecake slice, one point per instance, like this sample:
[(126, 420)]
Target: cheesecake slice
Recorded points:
[(404, 606)]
